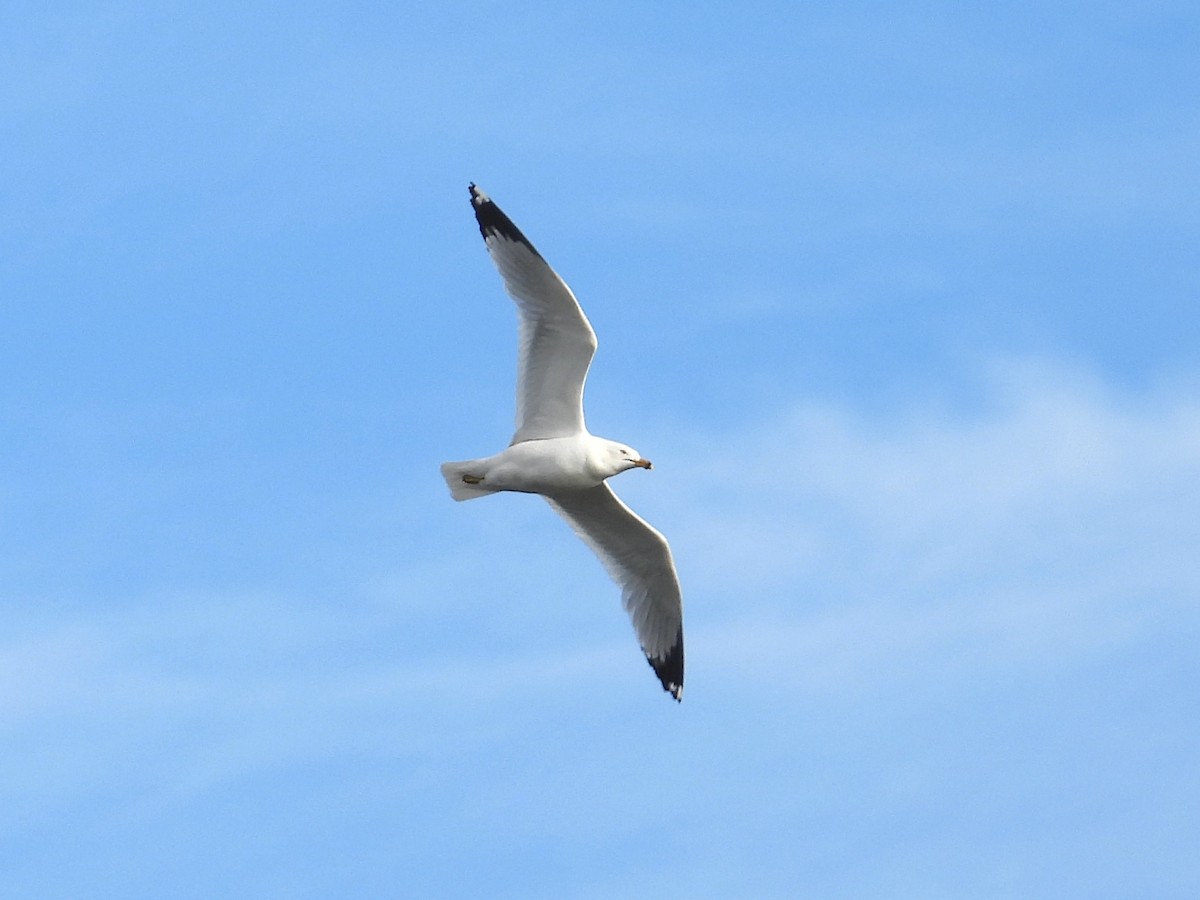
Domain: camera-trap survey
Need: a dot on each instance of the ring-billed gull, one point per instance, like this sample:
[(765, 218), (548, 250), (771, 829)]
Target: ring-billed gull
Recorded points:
[(553, 454)]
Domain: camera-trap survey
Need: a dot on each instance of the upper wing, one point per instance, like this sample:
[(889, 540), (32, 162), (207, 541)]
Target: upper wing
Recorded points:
[(556, 340), (639, 560)]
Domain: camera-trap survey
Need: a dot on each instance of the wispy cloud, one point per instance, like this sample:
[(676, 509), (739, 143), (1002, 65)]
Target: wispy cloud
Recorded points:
[(1054, 515), (850, 564)]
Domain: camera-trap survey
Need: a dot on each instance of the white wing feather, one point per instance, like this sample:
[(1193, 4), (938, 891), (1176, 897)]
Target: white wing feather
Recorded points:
[(556, 341)]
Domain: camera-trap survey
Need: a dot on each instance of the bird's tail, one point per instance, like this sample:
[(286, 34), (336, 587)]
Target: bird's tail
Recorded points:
[(459, 477)]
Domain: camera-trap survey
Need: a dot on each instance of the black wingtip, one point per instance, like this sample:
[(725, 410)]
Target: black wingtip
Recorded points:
[(492, 221), (669, 668)]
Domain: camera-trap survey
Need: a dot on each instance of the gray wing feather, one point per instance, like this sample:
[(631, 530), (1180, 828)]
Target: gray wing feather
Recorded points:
[(639, 559)]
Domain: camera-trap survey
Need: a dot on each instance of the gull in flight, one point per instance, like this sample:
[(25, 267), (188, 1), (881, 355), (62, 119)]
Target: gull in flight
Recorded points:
[(553, 454)]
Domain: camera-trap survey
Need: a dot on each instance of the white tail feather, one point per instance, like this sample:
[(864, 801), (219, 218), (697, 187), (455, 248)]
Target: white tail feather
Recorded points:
[(453, 472)]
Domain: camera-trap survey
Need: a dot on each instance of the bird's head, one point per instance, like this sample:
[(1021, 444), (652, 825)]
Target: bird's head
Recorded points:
[(621, 458)]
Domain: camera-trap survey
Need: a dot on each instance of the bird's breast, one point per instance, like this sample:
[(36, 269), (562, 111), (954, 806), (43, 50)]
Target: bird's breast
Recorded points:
[(542, 467)]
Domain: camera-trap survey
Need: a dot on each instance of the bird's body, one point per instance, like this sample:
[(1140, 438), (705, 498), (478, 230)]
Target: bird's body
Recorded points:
[(553, 454), (548, 466)]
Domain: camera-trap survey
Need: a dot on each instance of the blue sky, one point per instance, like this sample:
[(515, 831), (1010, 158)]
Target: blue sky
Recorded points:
[(900, 298)]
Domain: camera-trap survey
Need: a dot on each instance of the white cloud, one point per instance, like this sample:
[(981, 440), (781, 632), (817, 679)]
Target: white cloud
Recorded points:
[(847, 557), (1057, 517)]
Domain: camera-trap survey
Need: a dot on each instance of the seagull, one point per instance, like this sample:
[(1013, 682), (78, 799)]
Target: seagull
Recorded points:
[(553, 454)]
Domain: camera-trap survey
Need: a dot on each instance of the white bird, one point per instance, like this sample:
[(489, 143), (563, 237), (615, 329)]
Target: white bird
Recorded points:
[(553, 454)]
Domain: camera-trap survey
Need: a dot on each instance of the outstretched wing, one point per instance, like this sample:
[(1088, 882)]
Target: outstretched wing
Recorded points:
[(556, 340), (639, 559)]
